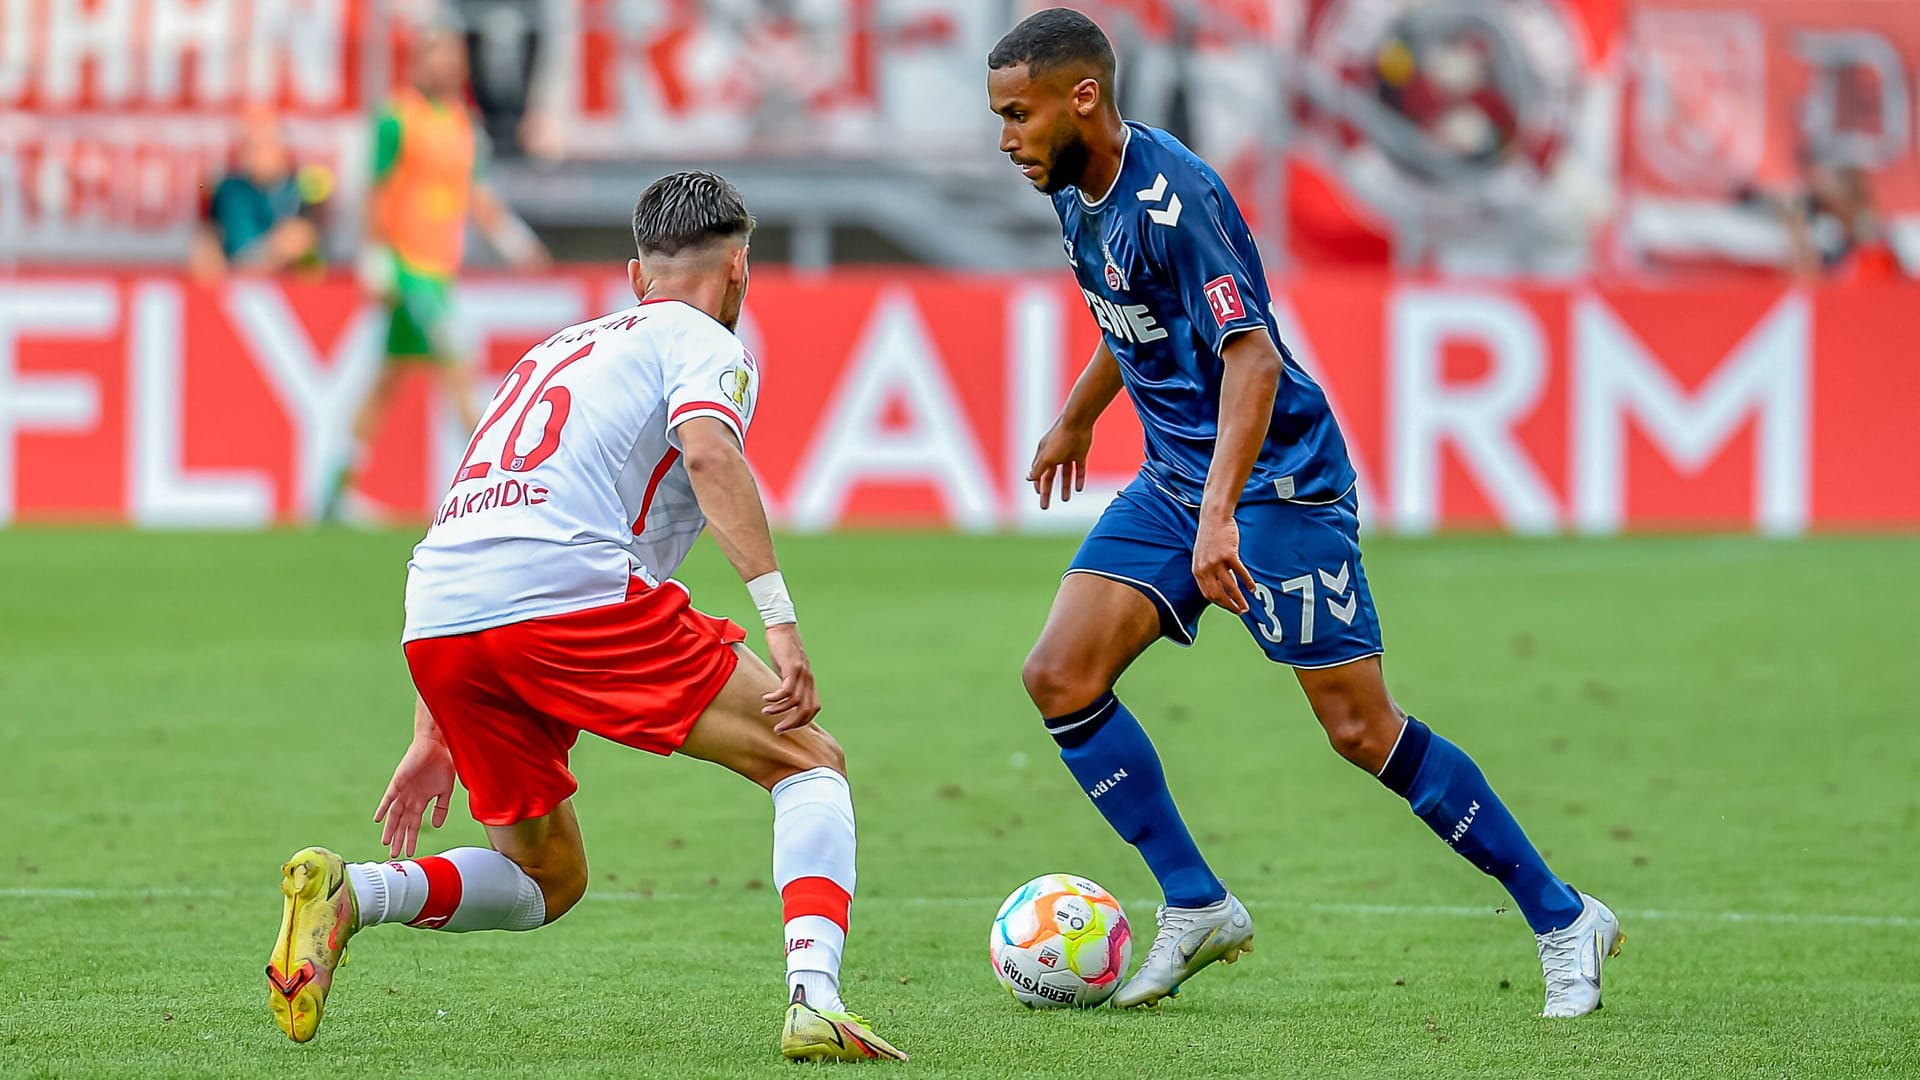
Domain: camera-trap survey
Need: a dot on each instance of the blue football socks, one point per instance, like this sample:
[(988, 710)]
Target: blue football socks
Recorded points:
[(1108, 751), (1449, 793)]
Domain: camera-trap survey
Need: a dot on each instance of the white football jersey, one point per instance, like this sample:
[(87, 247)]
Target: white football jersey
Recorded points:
[(572, 485)]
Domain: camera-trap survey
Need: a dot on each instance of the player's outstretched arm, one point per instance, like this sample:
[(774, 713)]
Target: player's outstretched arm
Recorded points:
[(1252, 377), (724, 487), (1063, 449)]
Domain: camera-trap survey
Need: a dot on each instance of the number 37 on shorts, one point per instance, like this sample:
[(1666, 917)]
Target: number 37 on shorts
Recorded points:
[(1309, 606)]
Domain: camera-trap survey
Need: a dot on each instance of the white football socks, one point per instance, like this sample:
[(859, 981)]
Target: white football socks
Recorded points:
[(463, 889), (813, 867)]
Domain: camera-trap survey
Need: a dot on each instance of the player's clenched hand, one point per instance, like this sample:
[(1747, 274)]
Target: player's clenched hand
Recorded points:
[(796, 696), (1217, 566), (423, 776), (1063, 453)]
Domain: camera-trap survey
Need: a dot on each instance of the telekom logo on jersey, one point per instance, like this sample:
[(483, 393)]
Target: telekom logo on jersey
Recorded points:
[(1223, 296)]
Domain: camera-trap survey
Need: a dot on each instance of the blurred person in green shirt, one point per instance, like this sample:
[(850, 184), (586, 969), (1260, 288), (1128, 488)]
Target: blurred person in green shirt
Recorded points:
[(266, 213)]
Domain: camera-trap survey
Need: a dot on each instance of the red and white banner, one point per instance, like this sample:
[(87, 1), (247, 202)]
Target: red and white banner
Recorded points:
[(1727, 93), (1471, 135), (917, 398), (1730, 95), (818, 76), (114, 114)]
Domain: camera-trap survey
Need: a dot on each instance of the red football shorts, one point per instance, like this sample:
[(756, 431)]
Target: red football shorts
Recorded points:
[(511, 700)]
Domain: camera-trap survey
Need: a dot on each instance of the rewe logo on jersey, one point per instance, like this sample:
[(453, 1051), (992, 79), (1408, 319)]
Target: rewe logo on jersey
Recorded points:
[(1129, 322), (1223, 296)]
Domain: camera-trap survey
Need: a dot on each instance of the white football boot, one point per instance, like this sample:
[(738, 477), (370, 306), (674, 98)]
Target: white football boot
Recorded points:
[(1571, 959), (1189, 939)]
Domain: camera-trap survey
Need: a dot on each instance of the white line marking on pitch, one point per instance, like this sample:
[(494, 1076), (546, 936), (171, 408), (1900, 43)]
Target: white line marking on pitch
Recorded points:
[(1457, 911)]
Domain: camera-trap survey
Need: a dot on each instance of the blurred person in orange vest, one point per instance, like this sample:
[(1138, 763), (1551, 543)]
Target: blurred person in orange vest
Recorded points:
[(265, 213), (427, 165)]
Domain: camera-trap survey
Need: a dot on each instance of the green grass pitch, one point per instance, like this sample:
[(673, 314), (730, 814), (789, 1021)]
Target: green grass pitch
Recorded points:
[(1718, 736)]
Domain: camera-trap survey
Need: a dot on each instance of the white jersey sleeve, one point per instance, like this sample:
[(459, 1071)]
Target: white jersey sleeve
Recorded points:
[(572, 485), (710, 374)]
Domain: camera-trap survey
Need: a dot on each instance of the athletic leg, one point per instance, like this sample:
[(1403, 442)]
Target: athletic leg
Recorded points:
[(512, 758), (1575, 933), (1313, 610), (534, 873), (1446, 789), (1097, 627), (813, 854)]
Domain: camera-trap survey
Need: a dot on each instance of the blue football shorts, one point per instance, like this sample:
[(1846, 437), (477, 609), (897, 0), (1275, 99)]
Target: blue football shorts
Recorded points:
[(1309, 607)]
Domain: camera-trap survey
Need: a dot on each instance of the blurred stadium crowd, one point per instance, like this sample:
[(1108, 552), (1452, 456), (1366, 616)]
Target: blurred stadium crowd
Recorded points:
[(1501, 137), (1562, 264)]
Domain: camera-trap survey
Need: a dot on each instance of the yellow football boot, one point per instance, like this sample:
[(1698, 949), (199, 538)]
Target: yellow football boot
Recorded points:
[(816, 1035), (319, 917)]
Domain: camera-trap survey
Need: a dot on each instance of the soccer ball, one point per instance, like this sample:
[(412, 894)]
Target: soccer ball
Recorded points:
[(1060, 941)]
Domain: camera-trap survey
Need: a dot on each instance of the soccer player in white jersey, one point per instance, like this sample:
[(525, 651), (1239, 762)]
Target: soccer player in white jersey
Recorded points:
[(541, 605)]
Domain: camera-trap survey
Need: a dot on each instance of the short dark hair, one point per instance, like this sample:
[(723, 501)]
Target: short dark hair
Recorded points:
[(1054, 38), (688, 210)]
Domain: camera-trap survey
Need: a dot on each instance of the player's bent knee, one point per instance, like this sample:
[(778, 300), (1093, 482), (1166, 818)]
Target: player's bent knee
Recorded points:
[(793, 753), (562, 883), (563, 891), (1362, 734), (833, 756), (557, 864), (1057, 688), (819, 750)]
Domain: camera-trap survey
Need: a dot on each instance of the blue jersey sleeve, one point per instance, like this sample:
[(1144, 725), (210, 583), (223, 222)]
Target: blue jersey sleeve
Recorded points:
[(1190, 248)]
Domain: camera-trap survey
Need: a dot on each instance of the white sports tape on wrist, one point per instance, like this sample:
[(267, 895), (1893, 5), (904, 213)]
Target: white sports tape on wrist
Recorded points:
[(769, 592)]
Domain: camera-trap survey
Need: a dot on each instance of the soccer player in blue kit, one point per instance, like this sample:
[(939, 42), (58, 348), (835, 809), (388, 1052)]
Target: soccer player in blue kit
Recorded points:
[(1246, 500)]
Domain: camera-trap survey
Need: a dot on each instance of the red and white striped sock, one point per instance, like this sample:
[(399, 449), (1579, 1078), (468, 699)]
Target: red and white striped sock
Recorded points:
[(459, 890), (813, 847)]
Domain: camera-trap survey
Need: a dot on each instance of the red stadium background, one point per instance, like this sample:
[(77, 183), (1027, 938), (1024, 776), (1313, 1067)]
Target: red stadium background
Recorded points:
[(915, 398), (1627, 397)]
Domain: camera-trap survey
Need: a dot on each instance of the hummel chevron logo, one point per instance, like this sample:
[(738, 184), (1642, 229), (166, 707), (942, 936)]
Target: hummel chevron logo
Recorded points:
[(1169, 216), (1335, 582), (1337, 585), (1344, 612)]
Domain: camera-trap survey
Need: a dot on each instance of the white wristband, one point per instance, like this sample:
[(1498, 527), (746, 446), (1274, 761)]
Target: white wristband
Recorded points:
[(769, 592)]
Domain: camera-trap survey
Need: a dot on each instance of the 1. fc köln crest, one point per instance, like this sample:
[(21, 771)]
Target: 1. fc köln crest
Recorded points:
[(1114, 280)]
